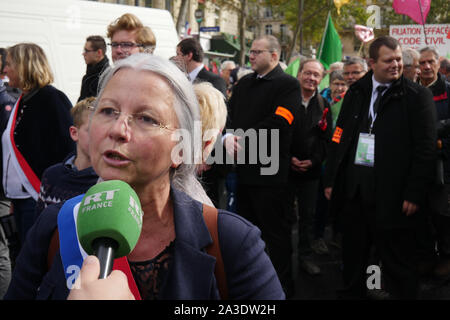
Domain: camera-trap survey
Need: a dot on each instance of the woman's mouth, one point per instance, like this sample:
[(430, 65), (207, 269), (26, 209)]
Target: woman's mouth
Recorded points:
[(115, 158)]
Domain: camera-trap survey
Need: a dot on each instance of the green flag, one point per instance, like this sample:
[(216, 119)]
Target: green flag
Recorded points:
[(293, 67), (331, 47), (325, 83)]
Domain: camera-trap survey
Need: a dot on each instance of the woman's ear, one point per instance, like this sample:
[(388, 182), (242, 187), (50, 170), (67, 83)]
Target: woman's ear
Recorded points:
[(207, 148), (177, 160)]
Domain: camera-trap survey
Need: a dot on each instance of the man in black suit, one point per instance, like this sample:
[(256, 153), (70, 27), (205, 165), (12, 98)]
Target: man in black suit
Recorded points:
[(263, 112), (191, 52), (94, 54), (380, 165)]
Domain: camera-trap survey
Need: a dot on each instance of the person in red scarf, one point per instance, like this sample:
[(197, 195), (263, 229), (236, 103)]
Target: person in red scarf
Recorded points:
[(338, 87), (37, 134)]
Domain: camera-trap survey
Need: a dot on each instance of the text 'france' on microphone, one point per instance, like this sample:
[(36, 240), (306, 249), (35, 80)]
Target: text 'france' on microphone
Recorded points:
[(109, 222)]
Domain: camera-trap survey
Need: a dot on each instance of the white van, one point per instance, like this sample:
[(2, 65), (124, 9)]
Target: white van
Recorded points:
[(61, 27)]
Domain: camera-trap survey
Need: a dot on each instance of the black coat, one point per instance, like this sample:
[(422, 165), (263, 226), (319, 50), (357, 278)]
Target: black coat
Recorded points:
[(405, 147), (254, 105), (441, 97), (214, 79), (309, 141), (42, 134), (89, 84)]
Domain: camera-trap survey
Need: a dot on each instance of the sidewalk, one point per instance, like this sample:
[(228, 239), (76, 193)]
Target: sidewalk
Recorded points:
[(325, 285)]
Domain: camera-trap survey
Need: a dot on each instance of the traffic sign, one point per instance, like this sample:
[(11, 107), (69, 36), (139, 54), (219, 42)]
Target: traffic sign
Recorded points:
[(198, 15), (210, 29)]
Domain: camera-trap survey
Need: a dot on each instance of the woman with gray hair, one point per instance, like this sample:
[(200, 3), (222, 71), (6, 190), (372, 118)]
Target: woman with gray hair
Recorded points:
[(338, 86), (145, 106)]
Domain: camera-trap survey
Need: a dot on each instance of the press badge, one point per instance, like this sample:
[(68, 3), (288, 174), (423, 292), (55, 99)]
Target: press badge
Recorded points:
[(365, 152)]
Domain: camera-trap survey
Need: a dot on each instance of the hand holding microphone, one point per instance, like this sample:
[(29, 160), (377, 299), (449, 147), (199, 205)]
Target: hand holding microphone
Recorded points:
[(109, 224), (88, 286)]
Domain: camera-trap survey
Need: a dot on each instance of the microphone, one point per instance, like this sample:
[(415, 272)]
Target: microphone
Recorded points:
[(109, 222)]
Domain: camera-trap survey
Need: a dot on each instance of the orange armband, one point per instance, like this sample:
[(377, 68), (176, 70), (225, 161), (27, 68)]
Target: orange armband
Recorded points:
[(337, 135), (285, 113)]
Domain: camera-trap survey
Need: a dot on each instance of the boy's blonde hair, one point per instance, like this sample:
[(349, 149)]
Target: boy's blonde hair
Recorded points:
[(213, 111), (80, 109)]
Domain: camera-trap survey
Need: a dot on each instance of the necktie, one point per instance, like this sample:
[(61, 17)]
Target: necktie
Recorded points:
[(380, 90)]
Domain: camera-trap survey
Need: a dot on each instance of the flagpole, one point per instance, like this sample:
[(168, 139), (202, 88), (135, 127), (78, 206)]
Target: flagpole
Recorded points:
[(423, 22), (323, 36), (360, 48)]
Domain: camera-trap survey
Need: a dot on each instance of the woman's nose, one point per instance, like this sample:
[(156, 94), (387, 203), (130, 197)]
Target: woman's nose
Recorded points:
[(120, 129)]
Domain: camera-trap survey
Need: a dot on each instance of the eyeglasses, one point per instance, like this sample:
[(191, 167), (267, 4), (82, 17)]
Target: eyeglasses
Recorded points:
[(124, 45), (411, 66), (309, 74), (257, 52), (142, 121), (353, 73), (430, 62), (86, 50)]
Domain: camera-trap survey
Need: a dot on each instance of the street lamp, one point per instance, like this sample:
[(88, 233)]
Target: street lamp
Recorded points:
[(199, 14)]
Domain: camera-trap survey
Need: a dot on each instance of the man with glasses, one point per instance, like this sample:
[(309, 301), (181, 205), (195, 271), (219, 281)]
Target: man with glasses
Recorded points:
[(265, 101), (310, 140), (438, 196), (354, 69), (411, 68), (94, 54), (129, 36)]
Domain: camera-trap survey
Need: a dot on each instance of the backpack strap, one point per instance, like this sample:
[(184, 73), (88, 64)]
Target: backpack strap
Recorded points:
[(210, 215), (52, 248)]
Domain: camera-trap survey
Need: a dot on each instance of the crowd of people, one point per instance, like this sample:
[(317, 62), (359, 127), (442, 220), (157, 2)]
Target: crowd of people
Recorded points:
[(369, 156)]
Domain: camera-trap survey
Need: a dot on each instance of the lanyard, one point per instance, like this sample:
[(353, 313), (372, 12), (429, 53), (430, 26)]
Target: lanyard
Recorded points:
[(372, 113), (373, 116)]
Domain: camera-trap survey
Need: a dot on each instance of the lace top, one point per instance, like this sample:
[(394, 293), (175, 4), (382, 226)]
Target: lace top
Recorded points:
[(151, 274)]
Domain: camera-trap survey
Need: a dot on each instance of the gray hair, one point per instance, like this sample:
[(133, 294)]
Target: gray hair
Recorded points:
[(432, 49), (242, 72), (338, 65), (226, 63), (336, 75), (309, 60), (356, 60), (186, 108), (409, 55)]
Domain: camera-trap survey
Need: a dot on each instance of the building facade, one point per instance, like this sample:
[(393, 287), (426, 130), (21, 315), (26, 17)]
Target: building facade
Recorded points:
[(261, 20), (265, 20)]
